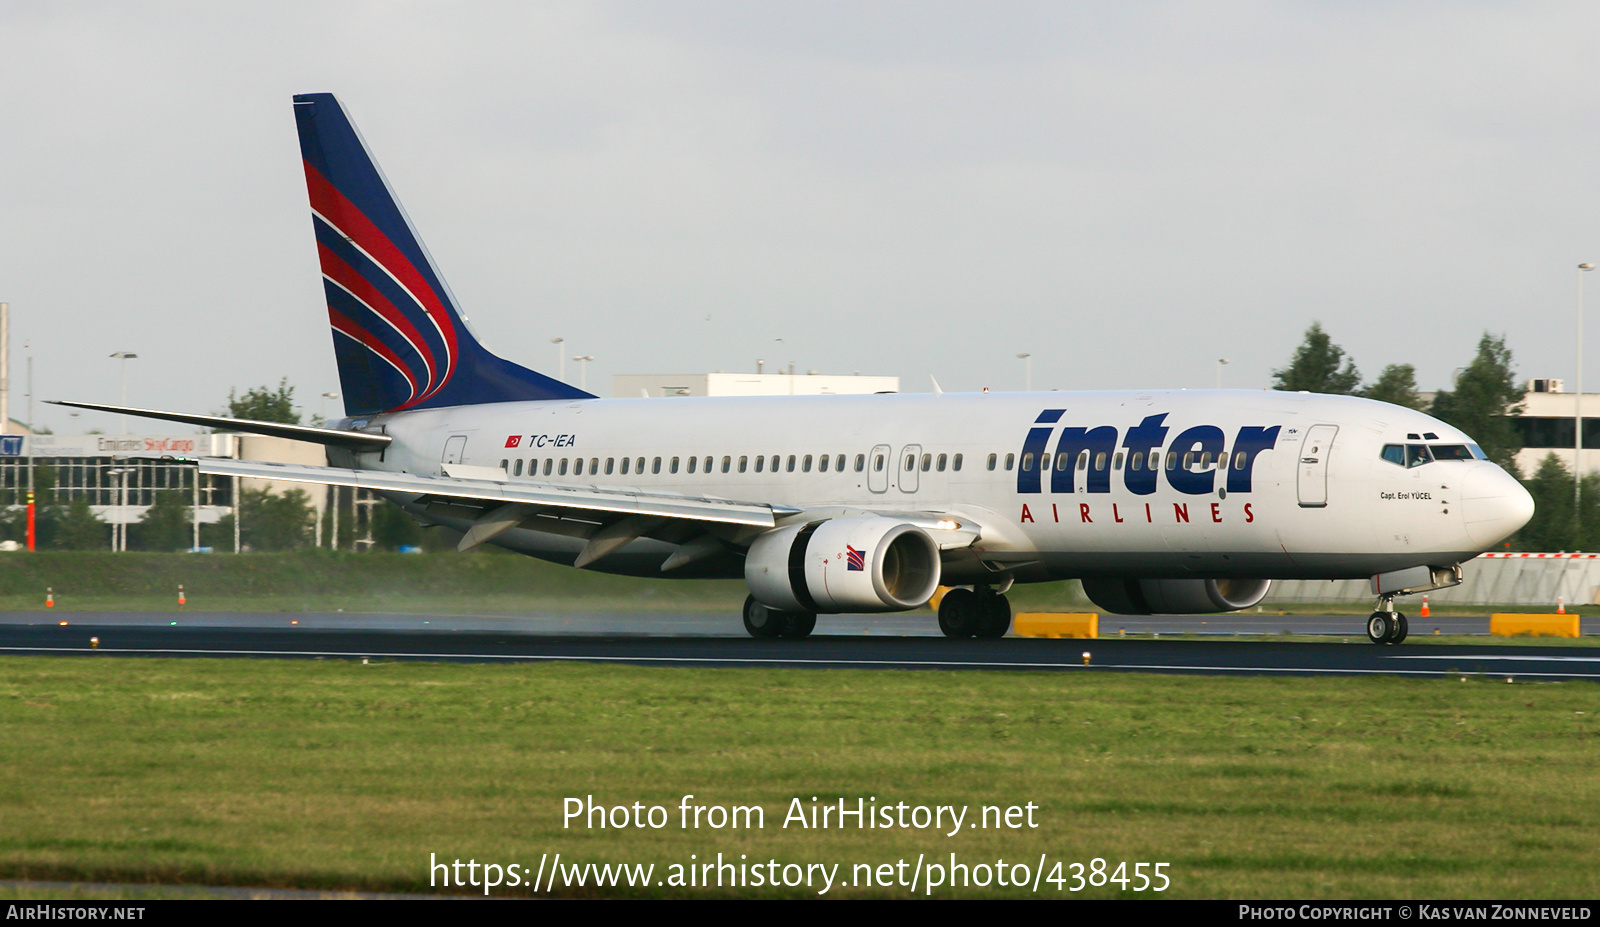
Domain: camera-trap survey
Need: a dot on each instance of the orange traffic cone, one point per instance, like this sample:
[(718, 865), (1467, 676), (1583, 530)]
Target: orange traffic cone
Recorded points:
[(1424, 607), (49, 597), (181, 599), (1561, 605)]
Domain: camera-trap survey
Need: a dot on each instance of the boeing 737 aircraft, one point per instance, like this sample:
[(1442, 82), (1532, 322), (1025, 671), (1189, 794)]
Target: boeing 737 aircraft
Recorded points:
[(1183, 502)]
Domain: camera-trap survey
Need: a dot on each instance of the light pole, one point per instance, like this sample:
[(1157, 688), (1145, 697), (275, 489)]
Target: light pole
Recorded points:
[(1027, 371), (316, 537), (583, 370), (1221, 363), (561, 360), (1577, 420), (119, 527), (125, 356)]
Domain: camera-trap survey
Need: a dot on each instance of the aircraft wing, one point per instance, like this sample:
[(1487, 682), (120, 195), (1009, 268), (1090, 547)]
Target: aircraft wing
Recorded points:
[(607, 518), (492, 492)]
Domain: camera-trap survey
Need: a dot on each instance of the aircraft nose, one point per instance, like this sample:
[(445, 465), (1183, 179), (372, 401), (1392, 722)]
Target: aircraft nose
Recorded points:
[(1494, 505)]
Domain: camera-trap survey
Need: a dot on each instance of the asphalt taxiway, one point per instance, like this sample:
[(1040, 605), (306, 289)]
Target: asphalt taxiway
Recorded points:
[(840, 642)]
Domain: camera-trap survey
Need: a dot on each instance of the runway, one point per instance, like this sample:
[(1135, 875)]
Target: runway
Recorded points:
[(842, 642)]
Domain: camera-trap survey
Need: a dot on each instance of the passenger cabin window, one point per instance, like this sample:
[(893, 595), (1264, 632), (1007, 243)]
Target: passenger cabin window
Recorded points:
[(861, 462), (927, 462), (727, 462), (1010, 458), (563, 468), (1061, 461), (838, 463), (911, 462), (625, 462), (743, 463), (877, 464), (517, 470), (1027, 462), (955, 462), (1239, 459), (939, 464), (708, 464), (610, 462), (993, 459), (673, 467), (655, 465), (790, 467), (760, 463), (693, 462), (638, 465), (1100, 461), (1083, 460), (822, 464)]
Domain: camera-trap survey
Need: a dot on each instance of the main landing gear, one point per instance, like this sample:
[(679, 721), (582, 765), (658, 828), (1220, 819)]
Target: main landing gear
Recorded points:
[(1386, 626), (762, 621), (980, 612)]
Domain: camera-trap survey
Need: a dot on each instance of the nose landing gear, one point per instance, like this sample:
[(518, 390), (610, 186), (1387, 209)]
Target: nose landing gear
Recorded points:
[(1387, 626)]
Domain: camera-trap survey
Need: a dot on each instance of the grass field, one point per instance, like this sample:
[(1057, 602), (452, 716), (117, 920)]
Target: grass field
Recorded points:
[(323, 774)]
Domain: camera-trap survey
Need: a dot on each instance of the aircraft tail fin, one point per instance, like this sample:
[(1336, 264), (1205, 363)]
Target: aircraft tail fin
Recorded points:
[(398, 335)]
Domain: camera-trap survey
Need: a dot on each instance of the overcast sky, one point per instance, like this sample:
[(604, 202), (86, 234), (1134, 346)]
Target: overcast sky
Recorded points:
[(1126, 191)]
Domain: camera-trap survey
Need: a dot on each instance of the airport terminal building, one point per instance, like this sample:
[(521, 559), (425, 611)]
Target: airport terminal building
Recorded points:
[(120, 475)]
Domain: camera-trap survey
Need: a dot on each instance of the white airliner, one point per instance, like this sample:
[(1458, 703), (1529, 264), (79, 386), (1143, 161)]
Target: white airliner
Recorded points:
[(1183, 502)]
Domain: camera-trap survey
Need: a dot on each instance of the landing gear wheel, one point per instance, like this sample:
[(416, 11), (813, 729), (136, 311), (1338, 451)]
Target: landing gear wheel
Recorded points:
[(996, 617), (1401, 629), (799, 624), (1380, 627), (960, 613), (761, 621)]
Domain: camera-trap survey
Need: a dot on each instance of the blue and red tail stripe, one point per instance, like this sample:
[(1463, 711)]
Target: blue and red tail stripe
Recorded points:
[(400, 340)]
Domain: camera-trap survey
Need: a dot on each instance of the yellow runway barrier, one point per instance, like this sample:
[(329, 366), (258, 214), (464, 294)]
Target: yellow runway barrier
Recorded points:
[(1509, 624), (1056, 624)]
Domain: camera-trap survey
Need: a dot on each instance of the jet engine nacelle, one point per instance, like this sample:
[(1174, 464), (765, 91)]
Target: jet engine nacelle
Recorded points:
[(1174, 596), (870, 564)]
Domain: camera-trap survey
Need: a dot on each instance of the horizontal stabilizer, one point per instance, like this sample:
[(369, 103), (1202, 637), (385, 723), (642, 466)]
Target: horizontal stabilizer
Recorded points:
[(354, 440)]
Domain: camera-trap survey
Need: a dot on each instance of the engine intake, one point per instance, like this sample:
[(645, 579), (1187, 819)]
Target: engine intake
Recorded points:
[(870, 564), (1174, 596)]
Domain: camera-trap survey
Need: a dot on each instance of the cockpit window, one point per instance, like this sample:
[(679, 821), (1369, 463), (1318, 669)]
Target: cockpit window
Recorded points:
[(1415, 455)]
